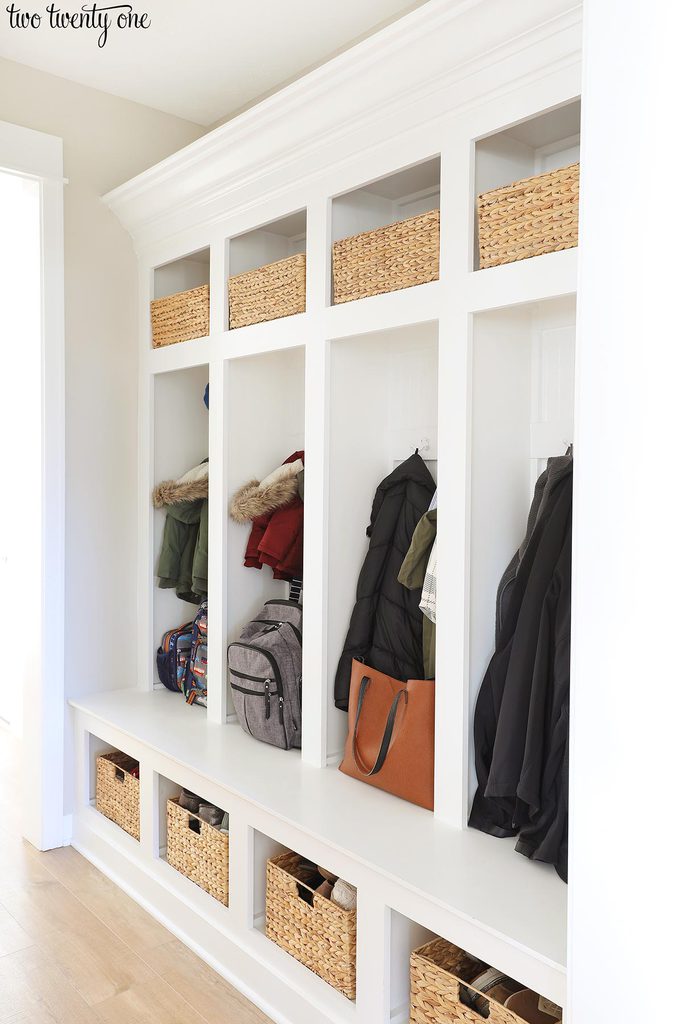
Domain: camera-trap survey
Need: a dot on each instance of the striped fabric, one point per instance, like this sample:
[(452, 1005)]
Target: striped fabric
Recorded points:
[(428, 599)]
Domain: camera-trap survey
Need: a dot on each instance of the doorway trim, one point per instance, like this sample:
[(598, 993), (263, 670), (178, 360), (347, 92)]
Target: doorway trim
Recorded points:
[(39, 156)]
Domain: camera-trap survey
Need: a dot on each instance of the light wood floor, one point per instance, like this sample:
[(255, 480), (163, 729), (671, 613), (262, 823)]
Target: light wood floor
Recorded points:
[(74, 949)]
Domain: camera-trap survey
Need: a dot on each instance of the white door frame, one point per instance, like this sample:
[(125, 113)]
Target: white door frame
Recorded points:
[(39, 156)]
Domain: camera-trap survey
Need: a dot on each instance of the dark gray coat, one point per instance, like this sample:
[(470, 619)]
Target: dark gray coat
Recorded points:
[(522, 712)]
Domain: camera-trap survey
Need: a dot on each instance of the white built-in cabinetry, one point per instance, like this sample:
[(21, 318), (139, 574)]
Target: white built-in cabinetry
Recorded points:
[(476, 370)]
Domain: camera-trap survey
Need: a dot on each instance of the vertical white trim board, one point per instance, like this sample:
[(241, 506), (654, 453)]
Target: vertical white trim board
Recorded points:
[(36, 155)]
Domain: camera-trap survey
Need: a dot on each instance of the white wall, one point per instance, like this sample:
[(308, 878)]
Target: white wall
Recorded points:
[(625, 887), (106, 141)]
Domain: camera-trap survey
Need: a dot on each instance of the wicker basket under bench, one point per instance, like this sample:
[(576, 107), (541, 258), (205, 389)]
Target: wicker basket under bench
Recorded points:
[(529, 217), (198, 850), (387, 259), (317, 932), (439, 974), (117, 793), (268, 293)]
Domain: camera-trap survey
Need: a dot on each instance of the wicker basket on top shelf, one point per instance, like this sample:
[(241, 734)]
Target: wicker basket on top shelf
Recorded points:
[(180, 317), (117, 793), (269, 292), (387, 259), (198, 850), (529, 217), (314, 930), (440, 974)]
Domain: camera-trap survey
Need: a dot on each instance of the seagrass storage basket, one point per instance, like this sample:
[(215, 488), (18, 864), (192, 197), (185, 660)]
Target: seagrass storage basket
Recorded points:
[(180, 317), (269, 292), (530, 217), (117, 792), (439, 976), (198, 850), (387, 259), (313, 929)]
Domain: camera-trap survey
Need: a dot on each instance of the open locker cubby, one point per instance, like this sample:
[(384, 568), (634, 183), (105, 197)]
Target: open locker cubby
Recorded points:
[(383, 406), (198, 852), (293, 907), (188, 316), (389, 200), (268, 244), (547, 142), (522, 414), (265, 411), (181, 442), (112, 780)]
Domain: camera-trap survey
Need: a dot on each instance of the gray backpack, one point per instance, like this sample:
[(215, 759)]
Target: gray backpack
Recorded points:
[(264, 669)]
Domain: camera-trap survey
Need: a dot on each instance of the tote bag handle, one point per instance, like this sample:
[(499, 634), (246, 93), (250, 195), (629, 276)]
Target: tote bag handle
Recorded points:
[(388, 730)]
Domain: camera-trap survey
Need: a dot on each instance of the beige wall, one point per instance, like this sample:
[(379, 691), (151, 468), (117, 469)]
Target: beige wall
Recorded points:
[(106, 141)]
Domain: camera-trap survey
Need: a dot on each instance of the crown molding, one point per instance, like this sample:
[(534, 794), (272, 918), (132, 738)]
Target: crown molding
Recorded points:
[(440, 48)]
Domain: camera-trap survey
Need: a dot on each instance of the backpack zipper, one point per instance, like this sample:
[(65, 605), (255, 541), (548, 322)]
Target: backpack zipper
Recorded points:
[(278, 625), (271, 626), (243, 675), (243, 689)]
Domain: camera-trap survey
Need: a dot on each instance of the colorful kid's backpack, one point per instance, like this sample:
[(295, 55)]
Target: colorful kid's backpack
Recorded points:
[(194, 686), (172, 656), (181, 659)]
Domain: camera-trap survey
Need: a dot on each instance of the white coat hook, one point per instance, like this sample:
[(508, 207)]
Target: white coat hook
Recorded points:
[(424, 446)]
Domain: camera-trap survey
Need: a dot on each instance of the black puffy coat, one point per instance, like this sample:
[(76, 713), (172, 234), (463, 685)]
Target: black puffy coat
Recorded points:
[(386, 623)]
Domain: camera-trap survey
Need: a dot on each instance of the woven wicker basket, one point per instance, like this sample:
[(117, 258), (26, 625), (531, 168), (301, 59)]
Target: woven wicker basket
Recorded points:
[(310, 927), (438, 973), (387, 259), (180, 317), (529, 217), (117, 793), (198, 850), (269, 292)]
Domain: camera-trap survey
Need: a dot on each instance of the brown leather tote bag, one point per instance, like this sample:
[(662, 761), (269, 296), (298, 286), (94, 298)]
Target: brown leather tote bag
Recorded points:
[(391, 734)]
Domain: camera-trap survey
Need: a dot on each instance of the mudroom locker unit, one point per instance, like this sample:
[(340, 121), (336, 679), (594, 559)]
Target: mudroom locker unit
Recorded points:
[(474, 369)]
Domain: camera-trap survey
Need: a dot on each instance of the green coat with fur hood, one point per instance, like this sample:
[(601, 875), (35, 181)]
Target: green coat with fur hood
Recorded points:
[(184, 556)]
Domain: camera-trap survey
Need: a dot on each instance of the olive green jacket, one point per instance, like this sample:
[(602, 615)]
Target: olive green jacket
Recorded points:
[(412, 576), (184, 556)]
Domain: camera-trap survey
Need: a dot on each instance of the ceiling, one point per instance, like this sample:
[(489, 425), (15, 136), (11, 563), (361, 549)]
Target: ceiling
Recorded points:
[(202, 61)]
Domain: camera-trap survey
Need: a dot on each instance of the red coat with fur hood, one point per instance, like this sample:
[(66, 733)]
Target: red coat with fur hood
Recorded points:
[(276, 513)]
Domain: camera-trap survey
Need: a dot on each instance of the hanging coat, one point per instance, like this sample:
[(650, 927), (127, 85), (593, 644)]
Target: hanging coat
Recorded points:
[(184, 556), (412, 575), (386, 621), (543, 790), (276, 513), (556, 469), (517, 740)]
